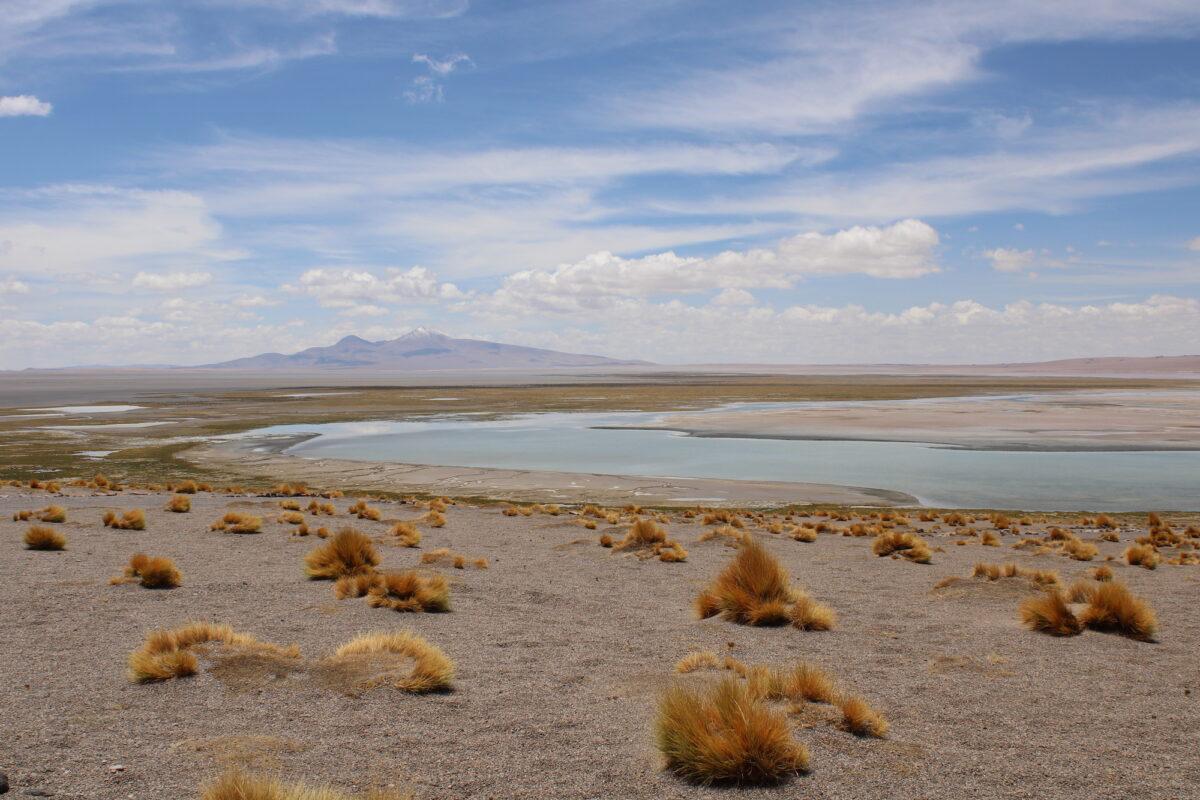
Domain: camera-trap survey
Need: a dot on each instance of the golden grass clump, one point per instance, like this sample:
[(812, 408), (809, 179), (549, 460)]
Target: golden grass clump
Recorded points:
[(432, 670), (52, 514), (22, 516), (754, 590), (39, 537), (804, 534), (291, 518), (1049, 613), (406, 535), (724, 734), (179, 504), (649, 540), (434, 519), (131, 520), (809, 615), (730, 535), (989, 539), (237, 785), (1080, 550), (290, 505), (606, 540), (1102, 573), (168, 654), (349, 552), (237, 522), (1142, 555), (185, 487), (153, 572), (907, 545), (409, 591), (444, 555), (1113, 608), (363, 511), (701, 659), (860, 719)]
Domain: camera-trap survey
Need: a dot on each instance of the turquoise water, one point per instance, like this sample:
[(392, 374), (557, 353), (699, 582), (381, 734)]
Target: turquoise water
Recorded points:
[(936, 475)]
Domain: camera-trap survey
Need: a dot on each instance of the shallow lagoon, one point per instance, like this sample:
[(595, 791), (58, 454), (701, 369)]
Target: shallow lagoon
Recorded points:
[(937, 475)]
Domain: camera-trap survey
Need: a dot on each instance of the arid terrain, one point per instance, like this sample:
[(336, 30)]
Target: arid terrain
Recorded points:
[(562, 648)]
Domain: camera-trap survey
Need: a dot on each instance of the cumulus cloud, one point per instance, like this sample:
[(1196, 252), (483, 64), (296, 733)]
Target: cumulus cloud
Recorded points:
[(905, 249), (1005, 259), (357, 288), (965, 331), (171, 281), (24, 105)]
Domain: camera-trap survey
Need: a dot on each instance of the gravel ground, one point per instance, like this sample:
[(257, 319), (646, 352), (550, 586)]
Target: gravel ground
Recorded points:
[(562, 648)]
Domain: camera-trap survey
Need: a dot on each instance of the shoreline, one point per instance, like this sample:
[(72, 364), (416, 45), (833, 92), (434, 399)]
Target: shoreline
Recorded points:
[(264, 457)]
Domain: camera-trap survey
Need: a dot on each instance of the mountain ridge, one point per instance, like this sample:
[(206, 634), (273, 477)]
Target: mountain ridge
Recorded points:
[(419, 349)]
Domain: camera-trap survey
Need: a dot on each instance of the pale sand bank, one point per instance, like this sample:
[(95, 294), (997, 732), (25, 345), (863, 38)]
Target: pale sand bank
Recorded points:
[(259, 458), (1161, 420)]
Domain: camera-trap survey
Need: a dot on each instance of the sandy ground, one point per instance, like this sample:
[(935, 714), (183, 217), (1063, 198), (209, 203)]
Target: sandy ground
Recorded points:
[(242, 457), (562, 648), (1161, 420)]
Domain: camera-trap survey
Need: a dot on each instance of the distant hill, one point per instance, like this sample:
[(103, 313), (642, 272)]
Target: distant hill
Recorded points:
[(420, 349)]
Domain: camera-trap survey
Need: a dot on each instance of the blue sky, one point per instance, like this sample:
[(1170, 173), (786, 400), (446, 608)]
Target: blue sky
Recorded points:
[(194, 180)]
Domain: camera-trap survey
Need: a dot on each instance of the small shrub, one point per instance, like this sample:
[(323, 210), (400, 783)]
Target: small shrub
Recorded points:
[(989, 539), (862, 720), (431, 671), (435, 519), (237, 522), (1049, 613), (153, 572), (606, 540), (52, 514), (702, 659), (1102, 573), (809, 615), (406, 535), (804, 534), (723, 734), (237, 785), (132, 520), (1112, 607), (349, 552), (1142, 555), (409, 591), (907, 545), (166, 654), (458, 560), (179, 504), (1080, 550), (39, 537)]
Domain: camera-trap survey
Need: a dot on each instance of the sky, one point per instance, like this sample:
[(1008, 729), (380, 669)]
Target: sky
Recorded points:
[(186, 181)]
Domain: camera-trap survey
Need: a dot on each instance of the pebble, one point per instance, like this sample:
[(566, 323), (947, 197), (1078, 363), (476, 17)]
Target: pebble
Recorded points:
[(3, 783), (38, 793)]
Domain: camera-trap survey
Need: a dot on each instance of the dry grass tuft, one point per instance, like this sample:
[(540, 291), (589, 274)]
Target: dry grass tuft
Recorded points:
[(1102, 573), (458, 560), (1142, 555), (907, 545), (154, 572), (52, 514), (1113, 608), (349, 552), (237, 785), (1080, 550), (1049, 613), (39, 537), (431, 671), (409, 591), (131, 520), (168, 654), (406, 535), (237, 522), (361, 510), (649, 540), (179, 504), (435, 519), (606, 540), (724, 734), (809, 615), (804, 534), (730, 535), (860, 719), (291, 518), (693, 662), (989, 539)]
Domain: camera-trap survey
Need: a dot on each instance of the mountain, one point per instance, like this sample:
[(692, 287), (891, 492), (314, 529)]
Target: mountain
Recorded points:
[(419, 349)]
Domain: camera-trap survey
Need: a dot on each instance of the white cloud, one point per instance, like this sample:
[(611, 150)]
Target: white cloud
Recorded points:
[(24, 105), (965, 331), (254, 301), (443, 66), (1194, 244), (90, 229), (733, 297), (424, 89), (170, 281), (905, 249), (1010, 260), (13, 287), (358, 288)]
